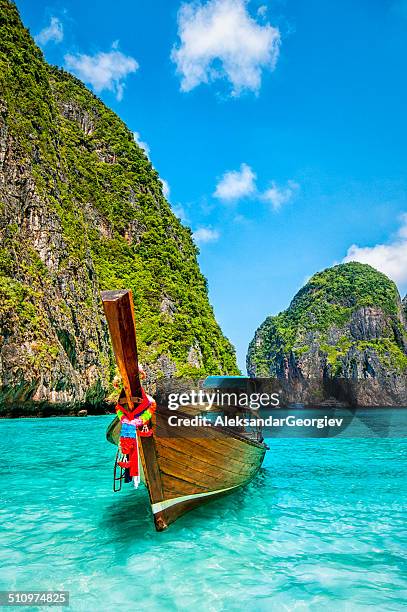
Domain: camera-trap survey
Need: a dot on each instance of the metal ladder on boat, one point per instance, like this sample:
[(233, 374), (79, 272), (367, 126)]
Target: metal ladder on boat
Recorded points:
[(118, 473)]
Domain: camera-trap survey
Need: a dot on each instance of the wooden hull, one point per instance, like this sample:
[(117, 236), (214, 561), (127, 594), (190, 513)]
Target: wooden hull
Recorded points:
[(192, 468)]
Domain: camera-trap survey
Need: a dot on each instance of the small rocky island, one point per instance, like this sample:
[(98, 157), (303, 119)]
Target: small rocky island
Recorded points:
[(348, 322)]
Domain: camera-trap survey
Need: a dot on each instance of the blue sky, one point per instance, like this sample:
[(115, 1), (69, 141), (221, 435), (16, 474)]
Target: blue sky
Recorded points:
[(279, 126)]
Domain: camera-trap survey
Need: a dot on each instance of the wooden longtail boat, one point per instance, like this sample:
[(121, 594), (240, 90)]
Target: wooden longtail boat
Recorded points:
[(187, 470)]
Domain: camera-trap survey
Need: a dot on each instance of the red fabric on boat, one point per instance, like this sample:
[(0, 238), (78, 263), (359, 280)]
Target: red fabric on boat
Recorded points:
[(129, 447)]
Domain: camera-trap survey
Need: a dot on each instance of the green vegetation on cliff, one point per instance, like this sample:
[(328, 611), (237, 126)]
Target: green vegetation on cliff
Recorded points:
[(142, 246), (350, 309), (82, 210)]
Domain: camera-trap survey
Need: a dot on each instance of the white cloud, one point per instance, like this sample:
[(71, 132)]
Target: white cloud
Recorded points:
[(219, 39), (103, 70), (239, 184), (179, 211), (278, 196), (241, 219), (166, 188), (236, 184), (54, 32), (205, 234), (141, 143), (389, 258)]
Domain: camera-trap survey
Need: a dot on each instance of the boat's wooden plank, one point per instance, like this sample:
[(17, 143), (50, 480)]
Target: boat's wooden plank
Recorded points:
[(208, 462), (175, 486), (191, 474), (200, 472), (204, 464), (218, 454), (207, 455), (201, 445), (232, 444)]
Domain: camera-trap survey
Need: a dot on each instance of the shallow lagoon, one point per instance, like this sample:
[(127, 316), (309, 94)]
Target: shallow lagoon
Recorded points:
[(322, 526)]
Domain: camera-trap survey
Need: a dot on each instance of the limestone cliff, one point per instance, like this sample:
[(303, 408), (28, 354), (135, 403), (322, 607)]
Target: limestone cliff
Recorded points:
[(346, 322), (81, 210)]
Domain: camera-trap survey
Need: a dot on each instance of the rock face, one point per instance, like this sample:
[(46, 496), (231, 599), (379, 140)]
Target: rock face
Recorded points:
[(347, 322), (82, 210)]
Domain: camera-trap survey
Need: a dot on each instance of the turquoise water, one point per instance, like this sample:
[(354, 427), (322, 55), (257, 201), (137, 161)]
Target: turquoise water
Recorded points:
[(321, 528)]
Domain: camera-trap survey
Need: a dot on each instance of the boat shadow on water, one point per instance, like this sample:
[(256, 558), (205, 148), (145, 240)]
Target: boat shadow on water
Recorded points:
[(128, 516)]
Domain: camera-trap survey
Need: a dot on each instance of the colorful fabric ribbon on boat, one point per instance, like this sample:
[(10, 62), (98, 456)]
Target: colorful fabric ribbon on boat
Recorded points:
[(134, 423), (129, 449)]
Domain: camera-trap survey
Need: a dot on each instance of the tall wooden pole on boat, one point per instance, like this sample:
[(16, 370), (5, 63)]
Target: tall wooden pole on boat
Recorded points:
[(119, 311)]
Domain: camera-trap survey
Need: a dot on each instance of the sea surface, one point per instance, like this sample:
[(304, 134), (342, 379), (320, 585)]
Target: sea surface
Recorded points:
[(322, 527)]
